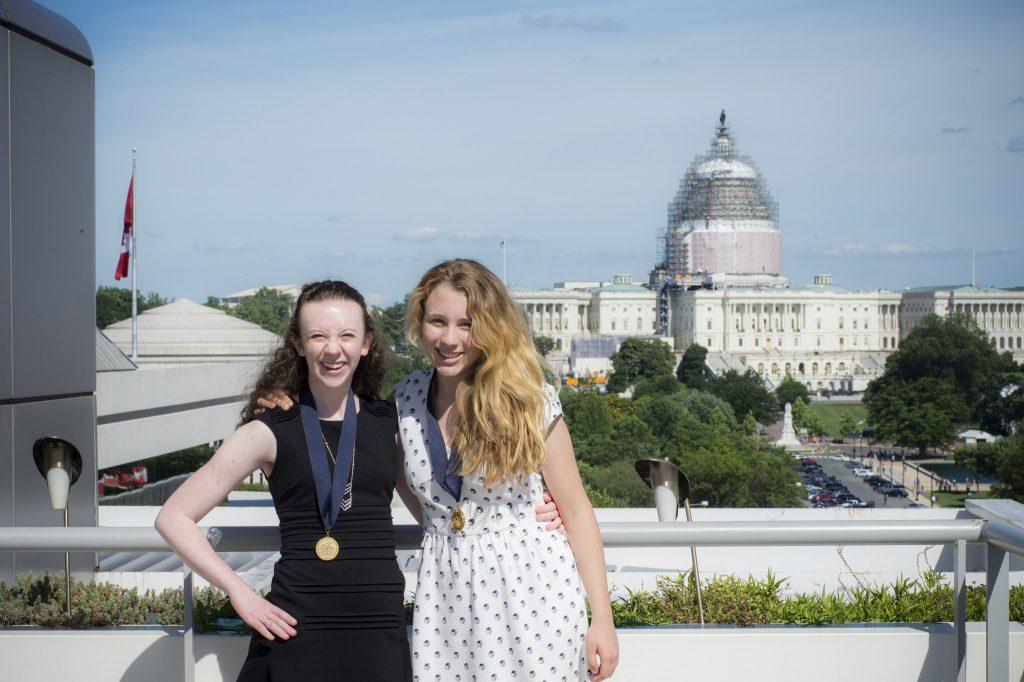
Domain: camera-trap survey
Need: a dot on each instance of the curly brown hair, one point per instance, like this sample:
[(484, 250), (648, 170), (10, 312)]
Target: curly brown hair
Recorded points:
[(286, 370)]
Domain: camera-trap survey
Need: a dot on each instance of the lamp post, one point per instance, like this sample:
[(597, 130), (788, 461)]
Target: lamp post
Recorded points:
[(60, 463), (670, 487)]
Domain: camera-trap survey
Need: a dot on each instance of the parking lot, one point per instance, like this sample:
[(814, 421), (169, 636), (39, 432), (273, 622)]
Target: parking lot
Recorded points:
[(842, 487)]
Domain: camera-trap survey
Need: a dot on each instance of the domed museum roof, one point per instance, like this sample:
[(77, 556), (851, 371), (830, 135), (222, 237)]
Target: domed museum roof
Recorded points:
[(184, 329)]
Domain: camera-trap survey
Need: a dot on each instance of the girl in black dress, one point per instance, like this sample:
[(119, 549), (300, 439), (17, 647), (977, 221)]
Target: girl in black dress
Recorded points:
[(335, 608)]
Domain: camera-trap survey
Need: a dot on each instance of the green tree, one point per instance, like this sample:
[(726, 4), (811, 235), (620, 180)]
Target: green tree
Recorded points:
[(399, 365), (693, 369), (665, 384), (544, 345), (640, 359), (114, 304), (586, 415), (952, 351), (746, 392), (750, 425), (215, 303), (799, 410), (708, 408), (390, 324), (269, 308), (917, 413), (789, 390), (1002, 459), (847, 426), (813, 422)]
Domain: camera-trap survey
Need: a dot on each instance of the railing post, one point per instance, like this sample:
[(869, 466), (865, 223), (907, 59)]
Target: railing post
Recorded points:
[(997, 616), (190, 653), (960, 607)]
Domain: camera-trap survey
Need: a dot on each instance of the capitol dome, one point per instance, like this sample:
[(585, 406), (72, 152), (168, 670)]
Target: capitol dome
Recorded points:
[(722, 219)]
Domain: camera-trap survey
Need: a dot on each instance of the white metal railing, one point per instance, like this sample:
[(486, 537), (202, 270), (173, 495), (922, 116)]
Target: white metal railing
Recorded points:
[(999, 530)]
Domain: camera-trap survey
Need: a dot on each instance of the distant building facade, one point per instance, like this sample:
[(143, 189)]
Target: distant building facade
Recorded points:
[(997, 312), (826, 337), (571, 311), (231, 300)]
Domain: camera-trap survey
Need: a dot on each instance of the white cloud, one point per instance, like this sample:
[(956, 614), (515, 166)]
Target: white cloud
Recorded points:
[(424, 233), (900, 249), (567, 21)]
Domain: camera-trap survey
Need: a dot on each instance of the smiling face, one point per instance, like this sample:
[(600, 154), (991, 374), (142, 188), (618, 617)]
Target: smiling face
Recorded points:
[(447, 333), (332, 339)]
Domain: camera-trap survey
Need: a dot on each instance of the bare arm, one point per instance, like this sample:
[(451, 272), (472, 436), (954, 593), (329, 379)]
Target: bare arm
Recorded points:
[(248, 448), (562, 477), (402, 486)]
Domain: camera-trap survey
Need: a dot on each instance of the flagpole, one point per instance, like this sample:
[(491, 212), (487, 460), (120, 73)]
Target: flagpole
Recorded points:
[(135, 265), (504, 273)]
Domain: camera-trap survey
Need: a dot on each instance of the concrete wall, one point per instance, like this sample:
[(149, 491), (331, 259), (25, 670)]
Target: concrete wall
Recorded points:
[(840, 654), (157, 409)]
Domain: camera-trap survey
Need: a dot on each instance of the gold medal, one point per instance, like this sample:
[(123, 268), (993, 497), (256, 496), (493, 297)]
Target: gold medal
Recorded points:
[(458, 521), (327, 548)]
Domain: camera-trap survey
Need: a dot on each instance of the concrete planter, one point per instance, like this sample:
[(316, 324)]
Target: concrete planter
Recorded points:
[(881, 653)]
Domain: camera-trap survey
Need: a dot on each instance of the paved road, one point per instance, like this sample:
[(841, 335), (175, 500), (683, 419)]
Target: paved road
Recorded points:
[(862, 490)]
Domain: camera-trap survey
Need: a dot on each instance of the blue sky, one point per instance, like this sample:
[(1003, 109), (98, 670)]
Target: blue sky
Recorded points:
[(284, 142)]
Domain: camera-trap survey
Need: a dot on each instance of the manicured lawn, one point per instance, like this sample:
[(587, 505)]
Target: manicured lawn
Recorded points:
[(831, 413), (956, 500)]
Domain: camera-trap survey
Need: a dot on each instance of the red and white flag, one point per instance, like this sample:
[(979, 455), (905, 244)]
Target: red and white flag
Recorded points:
[(129, 226)]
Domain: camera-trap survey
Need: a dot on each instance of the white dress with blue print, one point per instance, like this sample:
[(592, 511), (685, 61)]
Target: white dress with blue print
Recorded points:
[(502, 599)]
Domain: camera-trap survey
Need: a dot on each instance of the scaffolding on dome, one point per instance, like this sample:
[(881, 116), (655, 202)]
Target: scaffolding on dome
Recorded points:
[(721, 187)]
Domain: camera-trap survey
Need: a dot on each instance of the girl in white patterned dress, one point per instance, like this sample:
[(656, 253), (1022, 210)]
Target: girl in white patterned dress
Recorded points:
[(498, 597)]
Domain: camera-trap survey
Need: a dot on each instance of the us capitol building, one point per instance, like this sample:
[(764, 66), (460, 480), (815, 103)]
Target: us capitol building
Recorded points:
[(718, 283)]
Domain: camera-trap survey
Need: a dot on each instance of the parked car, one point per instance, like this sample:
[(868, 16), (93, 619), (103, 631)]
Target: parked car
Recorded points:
[(861, 473)]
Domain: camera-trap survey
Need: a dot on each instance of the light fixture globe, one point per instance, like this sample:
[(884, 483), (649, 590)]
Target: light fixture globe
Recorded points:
[(60, 463), (668, 482)]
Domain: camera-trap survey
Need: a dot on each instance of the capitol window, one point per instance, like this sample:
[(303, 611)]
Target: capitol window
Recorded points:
[(757, 342), (709, 324), (817, 323)]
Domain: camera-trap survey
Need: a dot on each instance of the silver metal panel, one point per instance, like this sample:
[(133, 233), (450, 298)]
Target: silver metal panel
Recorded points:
[(6, 380), (49, 26), (109, 357), (73, 419), (6, 485), (53, 221)]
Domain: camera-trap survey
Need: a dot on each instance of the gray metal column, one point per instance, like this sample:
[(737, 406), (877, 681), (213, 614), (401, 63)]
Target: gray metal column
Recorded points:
[(960, 607), (997, 616), (47, 268)]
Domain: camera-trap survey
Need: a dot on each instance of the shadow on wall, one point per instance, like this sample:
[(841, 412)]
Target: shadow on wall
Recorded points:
[(218, 657)]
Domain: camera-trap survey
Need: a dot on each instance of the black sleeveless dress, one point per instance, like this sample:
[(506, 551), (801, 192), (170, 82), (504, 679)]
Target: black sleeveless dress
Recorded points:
[(351, 619)]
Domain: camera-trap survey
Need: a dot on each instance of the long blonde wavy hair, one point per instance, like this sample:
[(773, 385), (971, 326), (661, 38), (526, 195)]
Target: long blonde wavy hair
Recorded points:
[(500, 430)]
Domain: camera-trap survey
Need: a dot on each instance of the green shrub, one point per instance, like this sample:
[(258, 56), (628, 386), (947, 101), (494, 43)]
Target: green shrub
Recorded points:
[(733, 601), (728, 600), (39, 600)]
